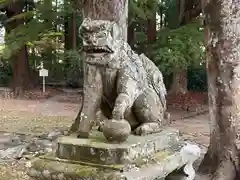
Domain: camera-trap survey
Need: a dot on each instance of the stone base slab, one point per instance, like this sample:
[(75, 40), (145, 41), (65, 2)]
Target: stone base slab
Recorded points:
[(157, 166), (96, 149)]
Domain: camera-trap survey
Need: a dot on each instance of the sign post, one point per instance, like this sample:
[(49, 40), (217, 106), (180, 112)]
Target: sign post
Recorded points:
[(43, 73), (43, 84)]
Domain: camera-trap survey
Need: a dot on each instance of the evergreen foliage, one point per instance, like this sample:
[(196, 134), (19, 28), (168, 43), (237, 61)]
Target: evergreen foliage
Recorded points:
[(43, 32), (179, 48)]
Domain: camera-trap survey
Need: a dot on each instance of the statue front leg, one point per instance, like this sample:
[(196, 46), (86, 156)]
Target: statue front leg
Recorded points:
[(91, 101), (127, 89), (118, 129), (88, 115), (122, 102)]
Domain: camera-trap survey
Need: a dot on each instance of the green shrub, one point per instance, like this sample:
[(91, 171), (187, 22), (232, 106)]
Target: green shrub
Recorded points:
[(197, 79)]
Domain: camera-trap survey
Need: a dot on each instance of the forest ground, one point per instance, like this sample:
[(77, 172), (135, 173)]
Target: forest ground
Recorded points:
[(56, 109)]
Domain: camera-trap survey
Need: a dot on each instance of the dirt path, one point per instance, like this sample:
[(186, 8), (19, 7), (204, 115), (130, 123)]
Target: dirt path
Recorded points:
[(58, 114), (44, 107), (31, 116)]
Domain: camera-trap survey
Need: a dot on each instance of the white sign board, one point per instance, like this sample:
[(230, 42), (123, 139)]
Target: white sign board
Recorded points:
[(43, 72)]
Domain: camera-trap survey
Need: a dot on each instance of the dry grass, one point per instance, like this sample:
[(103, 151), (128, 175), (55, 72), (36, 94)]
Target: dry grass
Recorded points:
[(35, 123), (26, 123), (31, 123), (9, 173)]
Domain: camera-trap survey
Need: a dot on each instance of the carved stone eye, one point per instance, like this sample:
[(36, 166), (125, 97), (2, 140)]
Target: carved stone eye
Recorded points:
[(102, 34), (102, 27)]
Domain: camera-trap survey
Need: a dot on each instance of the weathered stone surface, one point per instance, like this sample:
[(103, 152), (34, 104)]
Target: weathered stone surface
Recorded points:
[(21, 147), (154, 167), (116, 130), (119, 82), (97, 149)]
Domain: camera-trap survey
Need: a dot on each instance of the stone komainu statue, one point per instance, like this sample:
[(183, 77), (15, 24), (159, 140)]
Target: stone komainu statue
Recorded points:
[(121, 83)]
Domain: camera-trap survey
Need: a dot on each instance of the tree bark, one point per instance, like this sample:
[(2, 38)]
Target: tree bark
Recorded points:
[(131, 30), (70, 29), (179, 83), (151, 28), (223, 47), (187, 10), (70, 33), (21, 79), (179, 80), (113, 10), (131, 34)]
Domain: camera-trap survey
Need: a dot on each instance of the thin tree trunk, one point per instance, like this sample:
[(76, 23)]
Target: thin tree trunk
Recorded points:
[(187, 10), (131, 34), (21, 73), (70, 34), (73, 31), (70, 30), (179, 83), (222, 158), (131, 30), (161, 14), (179, 80), (151, 28)]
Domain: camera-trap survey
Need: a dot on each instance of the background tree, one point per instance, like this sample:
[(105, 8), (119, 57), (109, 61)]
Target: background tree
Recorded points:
[(56, 43), (42, 35), (185, 51), (21, 73), (223, 37), (185, 12)]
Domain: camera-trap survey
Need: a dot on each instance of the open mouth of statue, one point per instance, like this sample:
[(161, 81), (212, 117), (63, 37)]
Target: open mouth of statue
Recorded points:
[(97, 50)]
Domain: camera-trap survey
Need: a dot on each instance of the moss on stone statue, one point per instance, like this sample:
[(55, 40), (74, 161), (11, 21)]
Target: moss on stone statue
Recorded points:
[(161, 155), (82, 169), (51, 157), (69, 170), (97, 150)]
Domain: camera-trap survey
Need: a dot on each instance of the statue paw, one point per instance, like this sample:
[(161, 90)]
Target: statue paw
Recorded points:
[(142, 130), (116, 130), (147, 128)]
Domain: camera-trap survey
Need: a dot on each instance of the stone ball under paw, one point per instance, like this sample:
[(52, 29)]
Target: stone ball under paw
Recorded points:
[(116, 130)]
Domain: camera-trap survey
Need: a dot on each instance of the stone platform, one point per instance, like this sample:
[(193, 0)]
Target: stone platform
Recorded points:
[(150, 157), (96, 149)]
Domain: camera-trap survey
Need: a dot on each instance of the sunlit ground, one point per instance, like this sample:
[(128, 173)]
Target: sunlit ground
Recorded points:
[(57, 112)]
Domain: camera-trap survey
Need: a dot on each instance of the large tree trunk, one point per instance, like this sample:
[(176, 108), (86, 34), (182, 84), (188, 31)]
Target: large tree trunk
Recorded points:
[(114, 10), (21, 73), (223, 47)]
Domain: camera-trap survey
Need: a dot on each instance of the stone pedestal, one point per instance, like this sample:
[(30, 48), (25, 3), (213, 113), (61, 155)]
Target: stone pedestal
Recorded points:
[(139, 158)]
